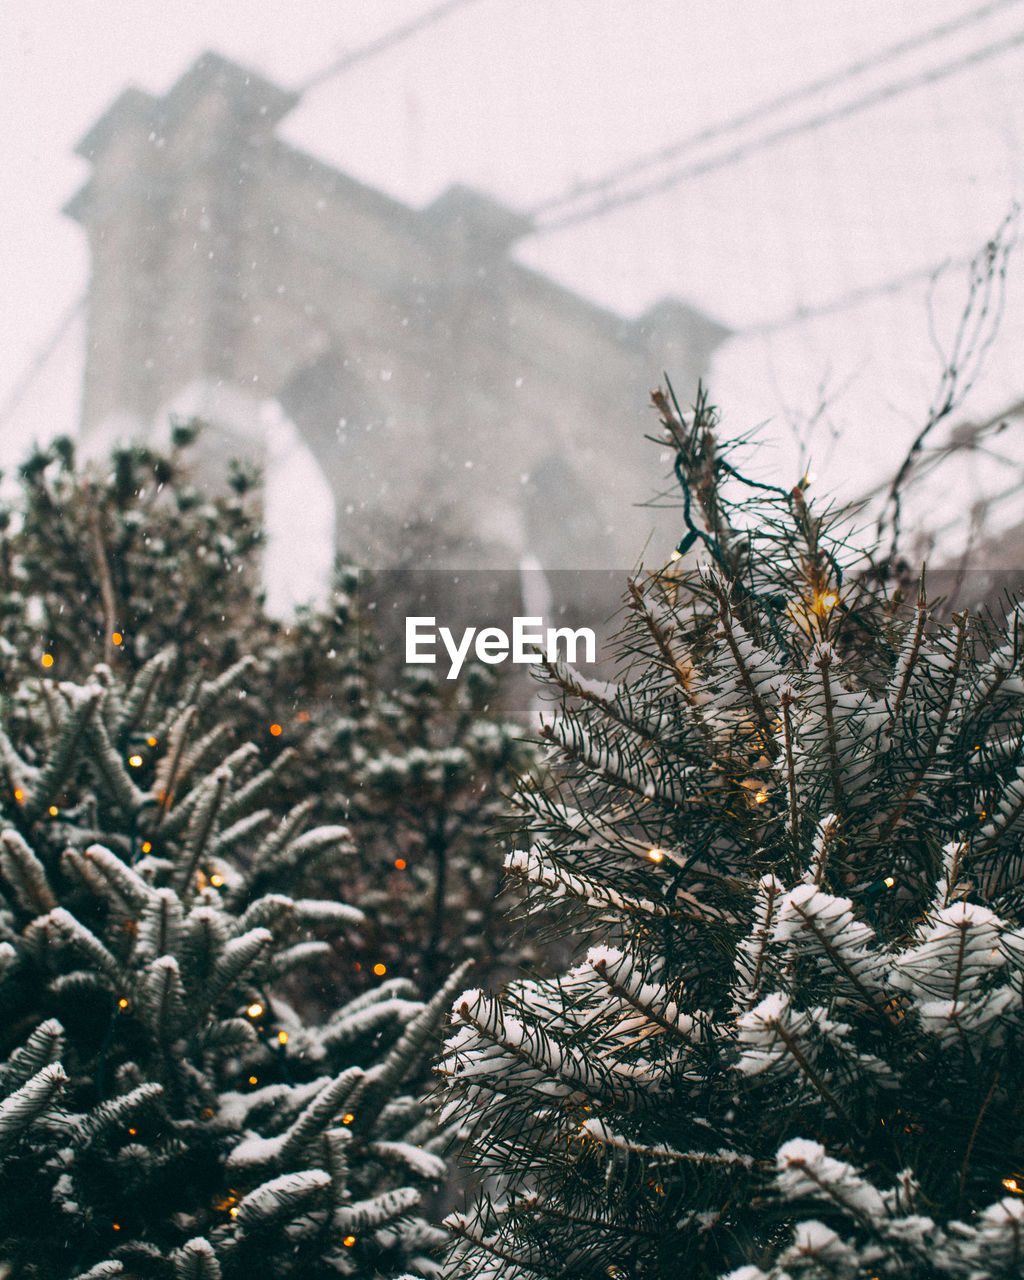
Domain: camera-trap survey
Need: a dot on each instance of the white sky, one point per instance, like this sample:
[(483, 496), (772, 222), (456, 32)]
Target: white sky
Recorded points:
[(525, 98)]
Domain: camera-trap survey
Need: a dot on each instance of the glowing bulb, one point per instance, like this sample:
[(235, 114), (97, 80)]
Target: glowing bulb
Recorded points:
[(254, 1080), (282, 1037), (400, 864), (275, 730), (656, 855), (255, 1010), (122, 1003), (19, 795), (810, 477), (216, 880), (349, 1241), (47, 659), (761, 796), (676, 555), (132, 1132), (380, 970), (116, 638), (115, 1226), (146, 847), (1011, 1184), (53, 811), (889, 881), (234, 1212), (151, 742), (830, 600), (135, 762), (347, 1118)]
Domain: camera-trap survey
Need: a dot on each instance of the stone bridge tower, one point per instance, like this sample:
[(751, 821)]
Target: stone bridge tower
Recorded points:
[(458, 405)]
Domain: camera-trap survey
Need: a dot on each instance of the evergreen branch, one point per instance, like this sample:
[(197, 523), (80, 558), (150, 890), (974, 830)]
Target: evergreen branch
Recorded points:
[(974, 1133), (200, 827), (43, 1047), (908, 658), (682, 676), (196, 1260), (888, 825), (109, 763), (786, 701), (823, 662), (27, 1104), (25, 874), (80, 706)]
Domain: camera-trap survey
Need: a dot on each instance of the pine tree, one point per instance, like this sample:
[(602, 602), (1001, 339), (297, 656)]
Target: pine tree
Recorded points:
[(789, 836), (164, 1110), (134, 558)]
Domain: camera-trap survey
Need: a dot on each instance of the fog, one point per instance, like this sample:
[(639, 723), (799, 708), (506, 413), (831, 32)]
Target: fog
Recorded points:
[(814, 180)]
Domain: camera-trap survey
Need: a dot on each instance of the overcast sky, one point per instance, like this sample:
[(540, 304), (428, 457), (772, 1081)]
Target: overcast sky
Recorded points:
[(810, 205)]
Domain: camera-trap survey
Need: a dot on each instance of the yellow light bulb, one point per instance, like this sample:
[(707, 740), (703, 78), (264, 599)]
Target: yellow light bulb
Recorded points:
[(53, 811), (151, 742), (255, 1010), (761, 796), (216, 880), (380, 970), (656, 855), (254, 1080), (135, 761), (116, 638), (676, 555), (47, 659), (146, 847), (349, 1241), (889, 881), (1011, 1184), (347, 1118), (282, 1037), (275, 730), (122, 1003), (19, 795)]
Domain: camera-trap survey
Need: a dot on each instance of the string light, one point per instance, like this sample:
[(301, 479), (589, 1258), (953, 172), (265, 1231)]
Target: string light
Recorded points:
[(151, 742), (889, 881), (132, 1132), (47, 659), (135, 761), (233, 1211), (275, 730), (282, 1037), (117, 638), (115, 1226), (146, 847), (676, 554), (255, 1010), (347, 1118), (1011, 1184), (122, 1003), (254, 1079), (400, 864), (380, 970), (19, 795), (349, 1241), (761, 796), (53, 811), (656, 855), (216, 880)]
